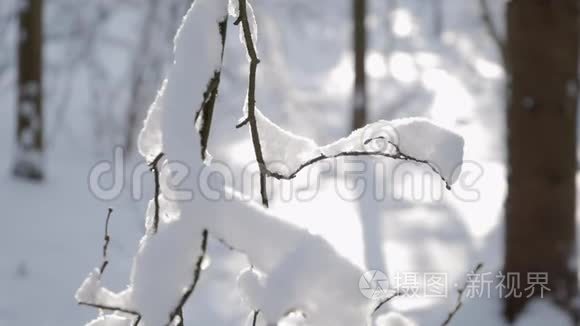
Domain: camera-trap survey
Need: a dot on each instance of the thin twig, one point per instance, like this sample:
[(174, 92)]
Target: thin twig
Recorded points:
[(155, 169), (106, 244), (255, 317), (234, 249), (180, 315), (386, 300), (112, 308), (243, 18), (227, 245), (242, 123), (102, 270), (397, 155), (492, 30), (460, 296), (196, 275), (205, 112)]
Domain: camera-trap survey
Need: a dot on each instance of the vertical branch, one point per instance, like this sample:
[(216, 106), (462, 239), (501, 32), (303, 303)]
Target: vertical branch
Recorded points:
[(180, 315), (155, 169), (106, 243), (178, 311), (255, 314), (251, 118), (105, 306), (205, 113), (460, 296)]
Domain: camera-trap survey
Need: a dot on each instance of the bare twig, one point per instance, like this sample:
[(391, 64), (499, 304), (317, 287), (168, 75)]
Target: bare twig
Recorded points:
[(196, 275), (386, 300), (205, 112), (492, 30), (255, 317), (106, 244), (102, 270), (155, 169), (397, 155), (180, 315), (242, 123), (251, 120), (234, 249), (227, 245), (243, 18), (112, 308), (460, 296)]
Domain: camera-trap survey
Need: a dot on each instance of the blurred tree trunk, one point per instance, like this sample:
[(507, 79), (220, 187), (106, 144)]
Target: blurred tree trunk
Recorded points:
[(29, 130), (542, 55), (359, 43), (148, 62)]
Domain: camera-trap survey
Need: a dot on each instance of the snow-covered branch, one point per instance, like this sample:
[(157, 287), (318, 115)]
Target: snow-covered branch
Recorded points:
[(204, 115), (460, 296), (386, 300), (106, 243), (112, 308), (255, 315), (414, 139), (91, 294), (289, 265), (153, 166), (250, 104), (196, 274)]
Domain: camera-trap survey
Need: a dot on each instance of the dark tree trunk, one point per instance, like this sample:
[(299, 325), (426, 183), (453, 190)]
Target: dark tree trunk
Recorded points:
[(359, 43), (542, 52), (29, 138)]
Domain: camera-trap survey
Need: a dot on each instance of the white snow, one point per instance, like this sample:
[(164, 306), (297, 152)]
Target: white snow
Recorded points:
[(415, 137), (165, 263), (292, 268), (283, 151), (393, 319), (92, 292), (234, 8), (420, 138), (150, 141), (111, 320), (305, 45)]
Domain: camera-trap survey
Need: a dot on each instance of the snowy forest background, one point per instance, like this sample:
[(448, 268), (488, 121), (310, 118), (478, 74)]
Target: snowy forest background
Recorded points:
[(477, 71)]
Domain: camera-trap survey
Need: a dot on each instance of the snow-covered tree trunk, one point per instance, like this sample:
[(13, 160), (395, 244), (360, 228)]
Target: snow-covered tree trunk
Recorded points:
[(29, 139), (359, 44), (542, 51)]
